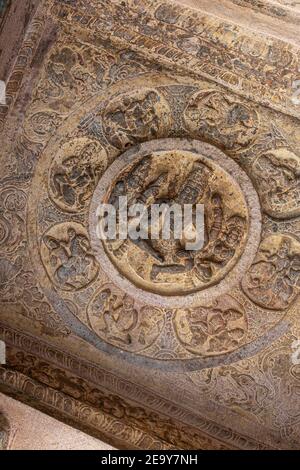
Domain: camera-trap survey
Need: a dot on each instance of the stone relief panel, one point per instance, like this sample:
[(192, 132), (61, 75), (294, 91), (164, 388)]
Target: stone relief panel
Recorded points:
[(67, 256), (43, 123), (90, 106), (114, 316), (86, 393), (215, 329), (135, 117), (75, 172), (278, 182), (273, 281), (166, 266), (201, 44), (155, 299), (221, 119), (71, 72), (264, 389), (12, 224)]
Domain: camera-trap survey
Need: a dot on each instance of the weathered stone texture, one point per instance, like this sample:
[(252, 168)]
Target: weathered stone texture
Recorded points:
[(170, 103)]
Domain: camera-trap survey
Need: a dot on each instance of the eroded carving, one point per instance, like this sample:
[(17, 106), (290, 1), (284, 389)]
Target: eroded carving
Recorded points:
[(277, 176), (116, 318), (67, 256), (136, 116), (12, 225), (222, 120), (273, 281), (43, 123), (72, 70), (211, 330), (74, 173)]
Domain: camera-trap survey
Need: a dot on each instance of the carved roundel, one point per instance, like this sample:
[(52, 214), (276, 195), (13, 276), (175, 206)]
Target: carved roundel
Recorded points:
[(136, 116), (152, 300), (230, 123), (74, 173), (176, 172)]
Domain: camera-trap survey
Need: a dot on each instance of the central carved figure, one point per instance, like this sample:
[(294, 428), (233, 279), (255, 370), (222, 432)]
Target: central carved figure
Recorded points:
[(165, 266)]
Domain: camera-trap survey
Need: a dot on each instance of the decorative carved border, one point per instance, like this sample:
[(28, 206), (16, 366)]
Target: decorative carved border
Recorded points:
[(75, 413), (199, 427), (164, 50), (107, 23), (232, 60)]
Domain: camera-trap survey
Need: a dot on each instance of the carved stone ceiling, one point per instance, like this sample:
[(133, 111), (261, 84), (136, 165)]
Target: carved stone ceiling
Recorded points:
[(141, 344)]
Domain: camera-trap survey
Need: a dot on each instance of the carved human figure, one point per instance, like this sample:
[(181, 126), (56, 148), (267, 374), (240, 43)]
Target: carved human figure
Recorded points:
[(273, 280), (215, 329), (277, 177), (75, 172), (175, 179), (135, 116), (120, 319), (68, 257), (222, 119), (115, 318)]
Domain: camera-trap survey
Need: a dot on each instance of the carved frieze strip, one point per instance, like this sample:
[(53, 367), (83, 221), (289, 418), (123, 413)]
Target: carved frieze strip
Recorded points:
[(268, 17), (138, 394), (161, 50), (150, 422), (87, 418), (262, 70)]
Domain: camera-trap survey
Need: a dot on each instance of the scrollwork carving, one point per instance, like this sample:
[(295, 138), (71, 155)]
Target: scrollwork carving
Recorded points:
[(43, 123)]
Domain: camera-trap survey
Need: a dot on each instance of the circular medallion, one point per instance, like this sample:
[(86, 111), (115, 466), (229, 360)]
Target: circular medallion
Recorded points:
[(218, 287), (168, 257)]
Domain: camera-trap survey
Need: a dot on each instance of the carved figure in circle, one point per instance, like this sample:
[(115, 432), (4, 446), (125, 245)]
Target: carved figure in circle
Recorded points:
[(273, 281), (211, 330), (135, 117), (163, 264), (221, 247), (277, 175), (67, 256), (75, 173), (220, 119), (115, 318), (119, 318)]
